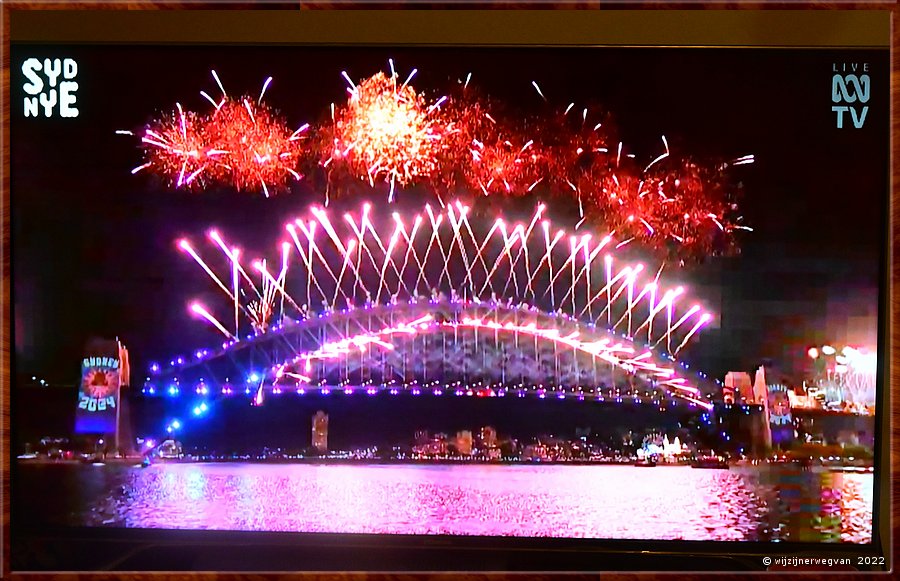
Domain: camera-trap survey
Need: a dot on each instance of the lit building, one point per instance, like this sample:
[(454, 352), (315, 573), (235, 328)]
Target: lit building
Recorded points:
[(805, 400), (535, 452), (320, 431), (760, 388), (464, 442), (438, 446), (488, 437), (739, 387)]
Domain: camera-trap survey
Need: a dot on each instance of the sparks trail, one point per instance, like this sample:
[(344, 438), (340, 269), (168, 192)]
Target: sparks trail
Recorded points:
[(447, 296), (851, 372), (377, 258)]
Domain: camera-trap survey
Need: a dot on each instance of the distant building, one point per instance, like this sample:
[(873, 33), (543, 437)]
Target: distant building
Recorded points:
[(170, 449), (728, 394), (535, 452), (320, 431), (739, 386), (421, 437), (436, 445), (760, 388), (441, 443), (464, 442), (488, 437)]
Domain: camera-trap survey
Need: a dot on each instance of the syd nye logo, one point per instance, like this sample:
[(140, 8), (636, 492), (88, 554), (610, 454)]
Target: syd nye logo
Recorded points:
[(41, 88), (851, 89)]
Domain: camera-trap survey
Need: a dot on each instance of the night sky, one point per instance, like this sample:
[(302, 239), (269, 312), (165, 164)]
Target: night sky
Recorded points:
[(93, 246)]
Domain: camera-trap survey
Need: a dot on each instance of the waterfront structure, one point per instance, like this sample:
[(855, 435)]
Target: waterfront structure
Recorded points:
[(535, 451), (488, 437), (438, 347), (320, 431), (740, 387), (464, 443), (170, 449)]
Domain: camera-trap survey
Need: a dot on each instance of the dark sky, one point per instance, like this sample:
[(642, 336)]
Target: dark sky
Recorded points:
[(93, 250)]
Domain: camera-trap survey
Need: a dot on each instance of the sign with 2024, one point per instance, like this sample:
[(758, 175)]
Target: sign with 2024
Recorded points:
[(98, 396)]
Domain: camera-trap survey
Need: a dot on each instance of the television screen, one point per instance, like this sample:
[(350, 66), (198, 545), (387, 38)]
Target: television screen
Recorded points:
[(531, 293)]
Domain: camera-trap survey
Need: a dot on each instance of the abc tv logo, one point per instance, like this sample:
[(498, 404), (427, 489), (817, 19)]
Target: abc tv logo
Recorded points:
[(851, 89)]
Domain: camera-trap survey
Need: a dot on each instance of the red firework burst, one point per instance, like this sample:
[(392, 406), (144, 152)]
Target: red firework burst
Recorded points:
[(240, 143), (386, 132), (580, 139), (252, 146), (504, 167), (389, 133), (485, 153), (678, 205)]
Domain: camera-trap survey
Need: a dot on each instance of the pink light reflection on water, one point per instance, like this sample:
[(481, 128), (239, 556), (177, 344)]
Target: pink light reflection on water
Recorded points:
[(572, 501), (613, 502)]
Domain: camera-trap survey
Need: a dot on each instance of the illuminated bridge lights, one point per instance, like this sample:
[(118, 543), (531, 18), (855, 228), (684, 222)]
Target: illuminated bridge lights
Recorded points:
[(479, 350), (474, 390), (499, 304)]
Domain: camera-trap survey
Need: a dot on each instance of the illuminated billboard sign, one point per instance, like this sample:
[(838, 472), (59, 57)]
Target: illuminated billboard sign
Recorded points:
[(98, 395), (779, 413)]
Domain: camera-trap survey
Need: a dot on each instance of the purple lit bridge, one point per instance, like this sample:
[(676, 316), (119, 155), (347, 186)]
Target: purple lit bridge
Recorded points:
[(439, 305)]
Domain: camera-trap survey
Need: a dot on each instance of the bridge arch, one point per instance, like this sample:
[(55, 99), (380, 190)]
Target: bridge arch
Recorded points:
[(438, 346), (531, 309)]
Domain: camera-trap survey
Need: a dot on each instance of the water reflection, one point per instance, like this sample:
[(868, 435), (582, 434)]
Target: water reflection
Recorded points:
[(554, 501)]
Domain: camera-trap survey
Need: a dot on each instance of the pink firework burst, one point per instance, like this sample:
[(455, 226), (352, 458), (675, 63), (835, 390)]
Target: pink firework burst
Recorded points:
[(175, 148)]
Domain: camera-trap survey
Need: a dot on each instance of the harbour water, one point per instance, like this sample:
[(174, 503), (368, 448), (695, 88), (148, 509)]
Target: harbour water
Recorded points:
[(603, 502)]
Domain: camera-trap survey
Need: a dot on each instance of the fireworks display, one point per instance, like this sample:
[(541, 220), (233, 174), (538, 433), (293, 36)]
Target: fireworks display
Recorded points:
[(388, 134), (363, 259), (242, 143), (439, 300), (847, 375), (385, 132), (549, 361), (258, 151)]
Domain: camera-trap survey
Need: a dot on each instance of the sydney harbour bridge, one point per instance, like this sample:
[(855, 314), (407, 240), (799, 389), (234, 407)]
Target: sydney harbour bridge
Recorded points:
[(442, 303)]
